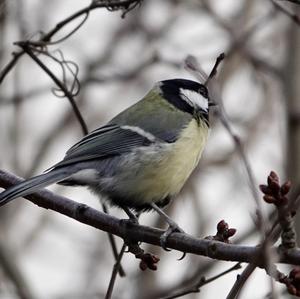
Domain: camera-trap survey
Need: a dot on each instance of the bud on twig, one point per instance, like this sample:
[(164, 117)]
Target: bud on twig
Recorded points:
[(223, 232)]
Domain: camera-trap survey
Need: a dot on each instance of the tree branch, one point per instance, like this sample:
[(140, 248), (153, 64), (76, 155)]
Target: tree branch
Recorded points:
[(138, 233), (60, 85), (46, 38)]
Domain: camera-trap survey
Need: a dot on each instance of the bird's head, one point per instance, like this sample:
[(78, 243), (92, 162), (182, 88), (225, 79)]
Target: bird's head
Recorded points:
[(188, 96)]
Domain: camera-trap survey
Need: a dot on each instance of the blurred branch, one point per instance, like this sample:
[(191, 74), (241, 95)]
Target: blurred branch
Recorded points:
[(244, 158), (187, 280), (292, 16), (7, 262), (240, 281), (26, 48), (137, 233), (293, 1), (126, 5), (203, 281), (240, 38), (114, 273)]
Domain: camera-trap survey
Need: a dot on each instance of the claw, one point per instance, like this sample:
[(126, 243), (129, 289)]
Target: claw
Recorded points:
[(173, 228), (129, 222), (182, 257), (132, 217)]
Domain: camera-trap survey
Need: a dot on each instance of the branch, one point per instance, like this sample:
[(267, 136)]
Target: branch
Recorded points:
[(240, 281), (17, 278), (138, 233), (114, 273), (292, 16), (203, 281), (60, 85), (127, 5)]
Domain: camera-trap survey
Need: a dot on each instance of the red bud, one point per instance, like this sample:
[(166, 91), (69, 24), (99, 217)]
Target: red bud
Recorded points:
[(273, 175), (265, 189), (285, 188), (269, 199), (222, 225), (274, 186), (143, 266), (231, 232), (292, 290)]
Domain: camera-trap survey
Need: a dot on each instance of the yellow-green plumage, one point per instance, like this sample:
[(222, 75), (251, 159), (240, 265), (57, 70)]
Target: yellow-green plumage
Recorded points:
[(156, 173), (164, 175)]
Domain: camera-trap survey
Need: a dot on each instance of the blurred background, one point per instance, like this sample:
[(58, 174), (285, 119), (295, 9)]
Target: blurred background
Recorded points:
[(46, 255)]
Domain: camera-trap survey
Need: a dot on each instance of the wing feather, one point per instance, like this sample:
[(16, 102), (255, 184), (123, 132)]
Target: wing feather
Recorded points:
[(107, 141), (162, 123)]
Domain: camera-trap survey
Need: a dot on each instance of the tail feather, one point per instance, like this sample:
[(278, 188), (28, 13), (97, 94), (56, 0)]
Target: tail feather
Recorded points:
[(33, 184)]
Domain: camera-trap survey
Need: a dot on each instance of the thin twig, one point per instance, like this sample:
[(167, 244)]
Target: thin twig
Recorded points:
[(295, 18), (10, 65), (113, 245), (240, 281), (14, 273), (244, 158), (114, 273), (203, 281), (60, 85), (46, 38), (213, 72), (293, 1)]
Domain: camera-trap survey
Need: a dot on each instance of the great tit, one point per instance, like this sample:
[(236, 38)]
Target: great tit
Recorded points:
[(141, 159)]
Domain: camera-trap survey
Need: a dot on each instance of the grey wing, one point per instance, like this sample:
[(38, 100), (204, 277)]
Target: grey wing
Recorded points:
[(107, 141), (161, 119)]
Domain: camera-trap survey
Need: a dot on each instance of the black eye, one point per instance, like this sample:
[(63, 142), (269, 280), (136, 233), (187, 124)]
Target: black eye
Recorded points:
[(203, 91)]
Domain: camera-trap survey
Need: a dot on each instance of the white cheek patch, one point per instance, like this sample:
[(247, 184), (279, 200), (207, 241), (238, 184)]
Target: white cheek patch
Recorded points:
[(195, 98)]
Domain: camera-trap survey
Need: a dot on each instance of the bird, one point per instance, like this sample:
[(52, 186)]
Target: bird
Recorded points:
[(140, 160)]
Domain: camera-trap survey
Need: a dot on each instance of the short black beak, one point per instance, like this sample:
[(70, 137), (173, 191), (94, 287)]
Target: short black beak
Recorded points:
[(211, 104)]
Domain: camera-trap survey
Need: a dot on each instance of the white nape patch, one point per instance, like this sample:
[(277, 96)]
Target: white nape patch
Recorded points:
[(140, 131), (194, 98), (85, 175)]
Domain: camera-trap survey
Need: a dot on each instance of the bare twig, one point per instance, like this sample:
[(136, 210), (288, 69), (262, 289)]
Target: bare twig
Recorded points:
[(295, 18), (240, 149), (293, 1), (9, 266), (114, 273), (60, 85), (240, 281), (213, 72), (113, 245), (203, 281), (8, 67), (46, 38)]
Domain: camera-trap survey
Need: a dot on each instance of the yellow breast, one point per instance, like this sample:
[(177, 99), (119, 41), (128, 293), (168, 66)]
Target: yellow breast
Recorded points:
[(168, 175), (185, 155)]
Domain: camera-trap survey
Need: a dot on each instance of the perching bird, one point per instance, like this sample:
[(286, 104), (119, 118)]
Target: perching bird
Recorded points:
[(141, 159)]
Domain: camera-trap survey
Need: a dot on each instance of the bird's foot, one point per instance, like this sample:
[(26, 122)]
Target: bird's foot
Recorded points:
[(173, 228), (133, 218)]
